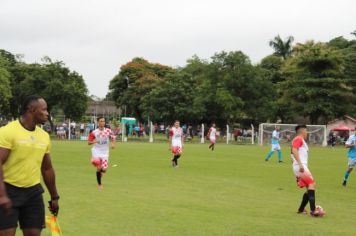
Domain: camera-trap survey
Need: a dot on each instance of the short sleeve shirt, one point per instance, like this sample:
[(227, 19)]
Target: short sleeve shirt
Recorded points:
[(27, 149)]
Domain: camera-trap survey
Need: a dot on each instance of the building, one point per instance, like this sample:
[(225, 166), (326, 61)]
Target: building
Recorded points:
[(348, 121), (102, 108)]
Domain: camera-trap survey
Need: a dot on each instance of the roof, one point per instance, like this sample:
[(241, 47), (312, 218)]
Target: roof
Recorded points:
[(343, 118)]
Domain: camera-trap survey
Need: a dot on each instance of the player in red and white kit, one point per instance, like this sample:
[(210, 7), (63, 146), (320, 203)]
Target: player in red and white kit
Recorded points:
[(100, 138), (304, 177), (176, 142), (212, 136)]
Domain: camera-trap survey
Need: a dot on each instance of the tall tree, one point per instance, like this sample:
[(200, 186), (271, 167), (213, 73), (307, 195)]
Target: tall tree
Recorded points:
[(134, 80), (60, 87), (314, 84), (282, 48), (5, 87)]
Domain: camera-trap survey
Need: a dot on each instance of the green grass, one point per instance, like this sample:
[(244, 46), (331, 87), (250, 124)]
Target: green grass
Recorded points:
[(231, 191)]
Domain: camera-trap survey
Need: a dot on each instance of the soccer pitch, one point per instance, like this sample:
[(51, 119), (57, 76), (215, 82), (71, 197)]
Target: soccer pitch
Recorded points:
[(231, 191)]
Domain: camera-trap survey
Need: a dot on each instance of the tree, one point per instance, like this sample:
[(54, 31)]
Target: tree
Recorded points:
[(353, 33), (282, 48), (5, 89), (339, 43), (272, 65), (136, 79), (314, 84), (60, 87), (173, 99)]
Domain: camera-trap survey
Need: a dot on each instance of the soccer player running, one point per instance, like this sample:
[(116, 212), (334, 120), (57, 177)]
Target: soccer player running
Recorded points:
[(24, 157), (351, 145), (275, 145), (212, 136), (100, 139), (176, 142), (304, 177)]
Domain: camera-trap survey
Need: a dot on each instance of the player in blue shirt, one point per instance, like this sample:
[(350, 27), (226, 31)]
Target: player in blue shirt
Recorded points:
[(275, 145), (351, 144)]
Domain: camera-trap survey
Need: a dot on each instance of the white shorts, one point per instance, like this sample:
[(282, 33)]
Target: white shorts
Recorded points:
[(352, 162), (303, 179), (276, 147), (296, 170)]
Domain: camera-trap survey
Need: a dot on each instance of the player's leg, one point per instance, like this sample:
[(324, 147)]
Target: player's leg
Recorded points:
[(269, 154), (308, 181), (311, 197), (212, 144), (176, 159), (346, 176), (102, 169), (351, 164), (303, 204), (279, 154), (97, 164)]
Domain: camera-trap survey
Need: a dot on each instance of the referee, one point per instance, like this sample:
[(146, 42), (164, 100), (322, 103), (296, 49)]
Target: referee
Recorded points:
[(24, 156)]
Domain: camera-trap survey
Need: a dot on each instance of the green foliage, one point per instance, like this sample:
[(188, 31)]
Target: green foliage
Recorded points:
[(135, 80), (5, 87), (282, 48), (226, 89), (62, 88), (314, 85)]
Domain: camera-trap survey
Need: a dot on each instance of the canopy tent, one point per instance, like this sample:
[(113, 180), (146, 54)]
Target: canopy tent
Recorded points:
[(343, 128), (127, 121)]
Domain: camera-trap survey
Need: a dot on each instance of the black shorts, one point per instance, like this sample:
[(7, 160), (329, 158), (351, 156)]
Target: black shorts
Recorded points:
[(27, 208)]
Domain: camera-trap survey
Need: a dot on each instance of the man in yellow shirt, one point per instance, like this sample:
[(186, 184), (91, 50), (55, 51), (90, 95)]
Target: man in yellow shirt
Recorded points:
[(24, 156)]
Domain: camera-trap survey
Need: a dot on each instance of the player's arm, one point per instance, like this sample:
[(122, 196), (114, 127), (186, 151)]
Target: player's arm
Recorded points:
[(349, 144), (49, 178), (208, 134), (113, 139), (5, 202), (91, 139), (297, 158), (170, 139), (182, 138)]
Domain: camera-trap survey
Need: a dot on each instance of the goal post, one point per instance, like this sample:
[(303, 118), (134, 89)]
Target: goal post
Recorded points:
[(316, 133)]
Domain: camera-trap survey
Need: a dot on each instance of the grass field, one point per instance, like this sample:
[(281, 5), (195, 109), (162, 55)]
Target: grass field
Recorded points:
[(231, 191)]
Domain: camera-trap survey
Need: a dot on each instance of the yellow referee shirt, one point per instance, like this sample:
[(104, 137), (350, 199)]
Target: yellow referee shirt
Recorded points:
[(23, 166)]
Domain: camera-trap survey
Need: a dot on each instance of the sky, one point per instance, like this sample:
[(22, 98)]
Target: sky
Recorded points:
[(96, 37)]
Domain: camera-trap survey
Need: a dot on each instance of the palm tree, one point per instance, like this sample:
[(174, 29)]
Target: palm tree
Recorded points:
[(353, 33), (282, 48)]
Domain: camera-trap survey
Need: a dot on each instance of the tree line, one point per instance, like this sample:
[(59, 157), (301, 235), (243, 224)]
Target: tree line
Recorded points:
[(312, 80), (64, 90)]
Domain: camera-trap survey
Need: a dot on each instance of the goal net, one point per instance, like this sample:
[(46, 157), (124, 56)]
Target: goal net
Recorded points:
[(316, 133)]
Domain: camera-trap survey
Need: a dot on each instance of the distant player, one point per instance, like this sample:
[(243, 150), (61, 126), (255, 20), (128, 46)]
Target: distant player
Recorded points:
[(351, 144), (275, 145), (212, 136), (100, 138), (304, 177), (176, 142)]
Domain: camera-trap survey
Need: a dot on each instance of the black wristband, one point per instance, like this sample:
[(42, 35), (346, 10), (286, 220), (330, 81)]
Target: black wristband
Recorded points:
[(55, 198)]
